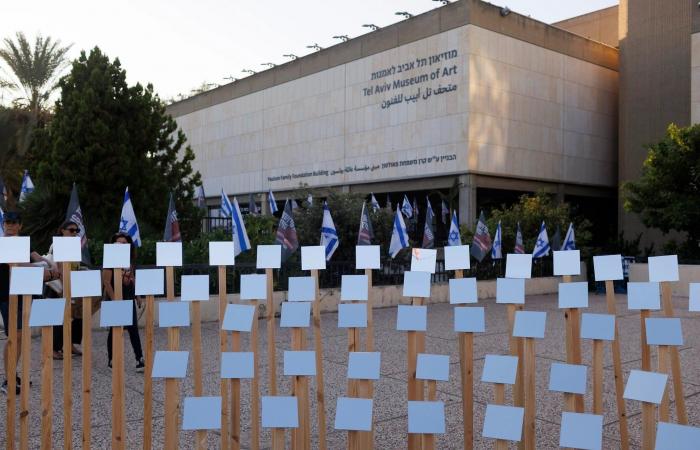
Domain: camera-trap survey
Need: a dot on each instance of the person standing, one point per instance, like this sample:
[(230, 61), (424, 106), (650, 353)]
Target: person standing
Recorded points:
[(128, 293)]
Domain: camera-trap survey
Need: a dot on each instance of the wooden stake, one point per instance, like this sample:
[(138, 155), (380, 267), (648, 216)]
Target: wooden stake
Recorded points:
[(679, 397), (11, 370), (147, 380), (222, 348), (466, 349), (118, 401), (200, 435), (67, 360), (648, 425), (617, 369), (46, 388), (26, 342), (318, 346), (255, 386), (646, 349), (413, 439), (235, 397), (499, 398), (366, 439), (516, 349), (530, 401), (271, 350), (573, 342), (429, 439), (278, 439), (301, 437), (597, 376), (664, 415), (87, 373), (369, 341), (172, 392)]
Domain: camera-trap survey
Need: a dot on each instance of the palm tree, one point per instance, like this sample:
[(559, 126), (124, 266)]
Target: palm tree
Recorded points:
[(34, 69)]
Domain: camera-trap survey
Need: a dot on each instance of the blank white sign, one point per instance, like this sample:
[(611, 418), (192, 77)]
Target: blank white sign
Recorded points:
[(470, 319), (367, 257), (302, 289), (412, 318), (313, 257), (170, 364), (269, 256), (569, 378), (295, 314), (353, 414), (671, 436), (519, 265), (14, 249), (529, 324), (202, 413), (253, 287), (573, 295), (598, 326), (416, 284), (352, 315), (116, 313), (643, 295), (86, 283), (607, 267), (116, 256), (510, 290), (353, 287), (67, 249), (279, 412), (694, 297), (500, 369), (664, 331), (237, 365), (27, 281), (299, 363), (364, 365), (426, 417), (47, 312), (463, 290), (663, 268), (222, 253), (433, 367), (645, 386), (503, 422), (150, 281), (457, 257), (194, 288), (238, 318), (423, 260), (567, 262), (581, 431), (173, 314), (169, 254)]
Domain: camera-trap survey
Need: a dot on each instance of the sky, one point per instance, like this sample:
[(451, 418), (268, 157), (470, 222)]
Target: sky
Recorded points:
[(177, 45)]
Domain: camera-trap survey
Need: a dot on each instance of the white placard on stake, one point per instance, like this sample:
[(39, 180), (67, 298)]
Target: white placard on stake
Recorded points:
[(27, 281), (664, 331), (581, 431), (510, 290), (173, 314), (238, 318), (352, 315), (598, 326), (86, 283), (663, 268), (457, 257), (643, 295), (463, 290), (367, 257), (470, 319), (573, 295), (67, 249), (116, 313), (201, 413), (14, 249), (313, 257), (569, 378), (567, 262), (237, 365), (500, 369), (253, 287), (168, 254), (301, 289), (529, 324), (433, 367), (170, 364), (645, 386), (364, 365), (423, 260), (299, 363), (279, 412), (47, 312), (519, 265), (671, 436), (194, 288), (426, 417), (607, 267), (295, 315), (353, 414), (269, 256), (503, 422), (222, 253), (353, 287), (694, 297), (412, 318), (150, 281), (416, 284), (116, 256)]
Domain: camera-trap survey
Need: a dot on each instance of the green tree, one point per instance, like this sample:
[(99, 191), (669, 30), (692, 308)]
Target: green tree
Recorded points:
[(667, 194), (105, 136), (34, 69)]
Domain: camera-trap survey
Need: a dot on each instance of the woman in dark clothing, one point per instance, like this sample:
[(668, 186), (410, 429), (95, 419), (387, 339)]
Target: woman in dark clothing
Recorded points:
[(128, 293)]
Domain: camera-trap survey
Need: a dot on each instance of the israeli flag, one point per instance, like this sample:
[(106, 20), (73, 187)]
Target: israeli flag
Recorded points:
[(27, 186), (496, 252), (406, 208), (272, 202), (329, 235), (454, 238), (399, 236), (127, 222), (542, 244), (375, 204), (570, 239), (238, 231)]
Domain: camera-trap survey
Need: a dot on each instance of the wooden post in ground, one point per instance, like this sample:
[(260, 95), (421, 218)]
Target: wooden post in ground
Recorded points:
[(226, 433), (147, 379), (318, 347), (572, 318), (679, 396), (26, 342), (617, 369), (429, 439), (118, 400), (271, 349), (172, 394), (516, 349), (87, 373), (499, 398), (11, 344), (597, 376), (649, 425), (46, 387), (67, 360), (663, 356)]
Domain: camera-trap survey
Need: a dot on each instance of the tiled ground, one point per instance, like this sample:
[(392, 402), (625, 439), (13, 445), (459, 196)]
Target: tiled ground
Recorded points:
[(390, 391)]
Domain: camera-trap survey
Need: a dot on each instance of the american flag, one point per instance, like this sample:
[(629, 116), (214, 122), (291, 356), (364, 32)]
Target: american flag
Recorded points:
[(482, 239), (428, 234), (287, 232), (366, 233)]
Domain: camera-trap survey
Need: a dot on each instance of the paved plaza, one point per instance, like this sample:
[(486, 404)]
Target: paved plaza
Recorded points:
[(390, 393)]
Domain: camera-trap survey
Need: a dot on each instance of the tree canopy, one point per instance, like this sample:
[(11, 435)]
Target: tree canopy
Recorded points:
[(106, 135), (667, 194)]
